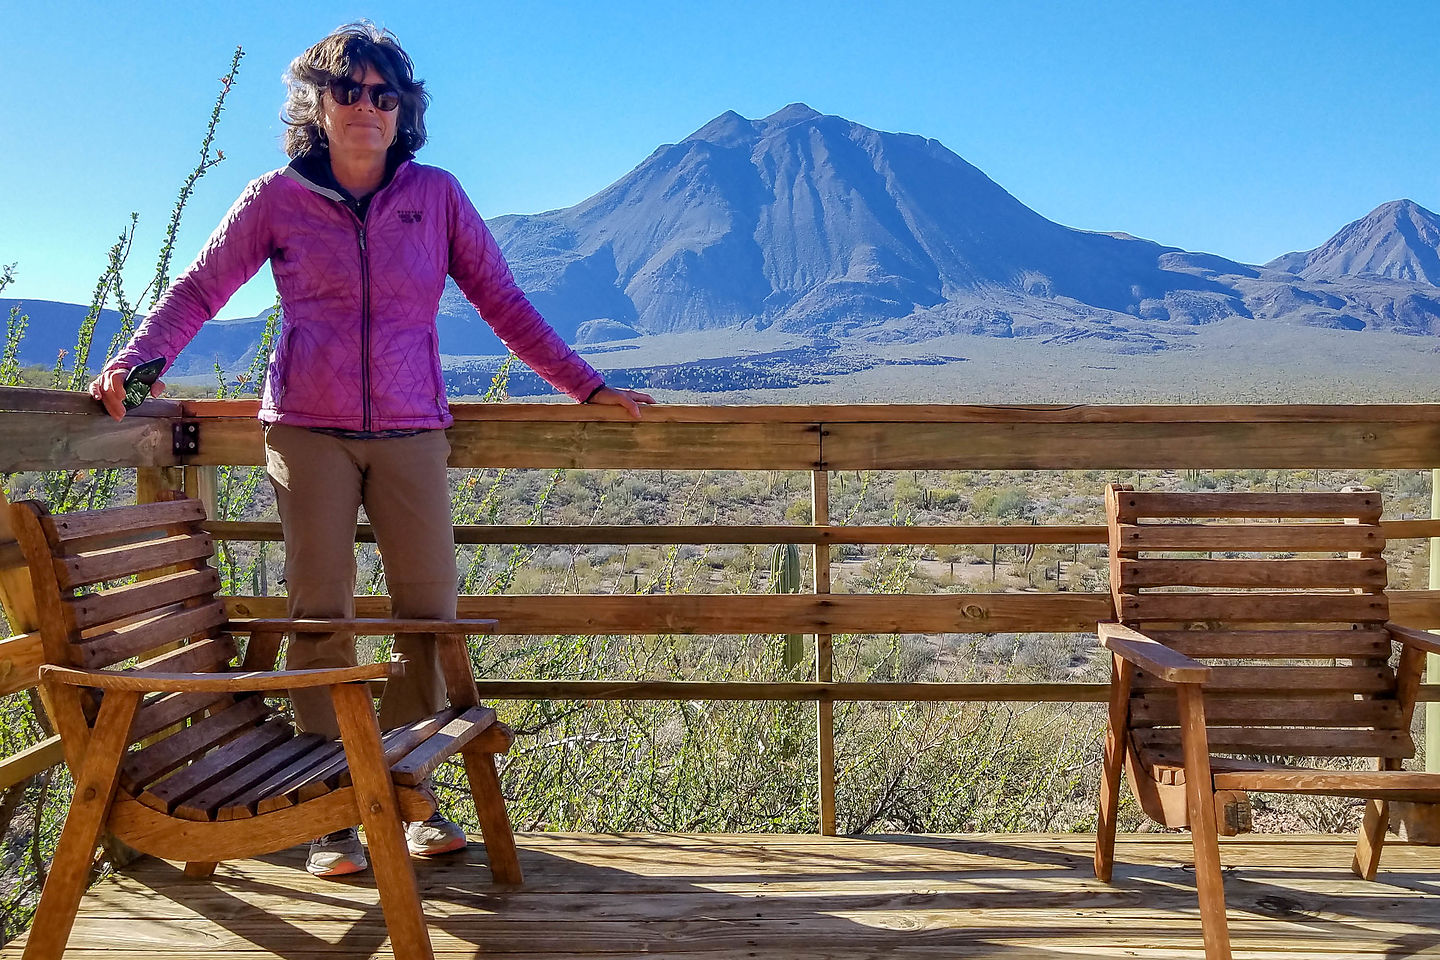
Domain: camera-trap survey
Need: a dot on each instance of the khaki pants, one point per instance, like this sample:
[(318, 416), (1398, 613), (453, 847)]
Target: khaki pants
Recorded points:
[(320, 484)]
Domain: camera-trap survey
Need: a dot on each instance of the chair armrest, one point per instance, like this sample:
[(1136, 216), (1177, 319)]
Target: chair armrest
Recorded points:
[(248, 682), (1151, 656), (365, 627), (1410, 636)]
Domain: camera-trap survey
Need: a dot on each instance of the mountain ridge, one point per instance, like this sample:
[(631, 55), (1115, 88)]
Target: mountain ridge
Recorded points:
[(807, 224)]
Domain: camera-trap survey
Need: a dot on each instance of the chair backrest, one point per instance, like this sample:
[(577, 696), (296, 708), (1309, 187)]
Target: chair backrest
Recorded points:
[(1297, 641), (117, 584)]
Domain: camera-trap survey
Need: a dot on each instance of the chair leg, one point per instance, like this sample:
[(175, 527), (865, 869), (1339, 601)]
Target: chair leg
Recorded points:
[(89, 809), (200, 870), (1113, 766), (494, 820), (1200, 794), (1371, 839), (380, 814), (1114, 758)]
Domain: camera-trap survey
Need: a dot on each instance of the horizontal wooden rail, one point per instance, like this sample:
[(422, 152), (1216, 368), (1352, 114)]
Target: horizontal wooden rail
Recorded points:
[(889, 412), (713, 534), (919, 692), (1007, 534), (30, 761), (860, 692), (542, 615), (54, 430), (841, 613)]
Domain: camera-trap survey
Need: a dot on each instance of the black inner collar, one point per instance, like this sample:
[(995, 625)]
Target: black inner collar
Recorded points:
[(315, 167)]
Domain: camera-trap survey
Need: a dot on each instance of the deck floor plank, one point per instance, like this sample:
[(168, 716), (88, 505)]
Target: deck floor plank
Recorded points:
[(763, 897)]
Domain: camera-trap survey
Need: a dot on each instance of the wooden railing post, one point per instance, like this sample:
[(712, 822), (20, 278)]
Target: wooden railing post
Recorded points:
[(16, 598), (149, 481), (824, 708), (202, 483)]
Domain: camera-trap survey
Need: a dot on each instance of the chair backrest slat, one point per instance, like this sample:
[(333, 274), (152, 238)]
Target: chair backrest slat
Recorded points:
[(203, 656), (1314, 644), (96, 609), (1312, 607), (1283, 681), (1363, 505), (1362, 573), (127, 523), (1160, 711), (129, 559), (1252, 537), (173, 623)]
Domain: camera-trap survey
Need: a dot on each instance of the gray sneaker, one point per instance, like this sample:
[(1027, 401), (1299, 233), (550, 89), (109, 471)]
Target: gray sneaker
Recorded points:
[(427, 838), (337, 854)]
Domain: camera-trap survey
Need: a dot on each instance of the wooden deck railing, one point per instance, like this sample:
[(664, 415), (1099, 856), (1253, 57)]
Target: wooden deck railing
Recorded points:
[(176, 443)]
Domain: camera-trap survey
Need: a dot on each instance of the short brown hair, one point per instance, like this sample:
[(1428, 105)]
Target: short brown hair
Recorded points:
[(351, 47)]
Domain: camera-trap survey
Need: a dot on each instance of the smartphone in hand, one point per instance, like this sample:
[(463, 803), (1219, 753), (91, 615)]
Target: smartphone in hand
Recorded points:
[(139, 381)]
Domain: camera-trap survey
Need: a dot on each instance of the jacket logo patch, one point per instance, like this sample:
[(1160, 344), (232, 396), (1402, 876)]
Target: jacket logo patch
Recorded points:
[(409, 216)]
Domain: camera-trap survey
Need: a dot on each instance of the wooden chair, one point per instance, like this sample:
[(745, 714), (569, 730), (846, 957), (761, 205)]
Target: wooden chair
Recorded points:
[(1296, 658), (216, 773)]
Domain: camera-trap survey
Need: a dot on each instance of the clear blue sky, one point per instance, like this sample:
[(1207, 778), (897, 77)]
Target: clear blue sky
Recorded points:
[(1246, 129)]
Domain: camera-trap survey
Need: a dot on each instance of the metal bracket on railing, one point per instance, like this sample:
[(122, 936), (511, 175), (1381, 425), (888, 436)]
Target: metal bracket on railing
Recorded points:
[(185, 437)]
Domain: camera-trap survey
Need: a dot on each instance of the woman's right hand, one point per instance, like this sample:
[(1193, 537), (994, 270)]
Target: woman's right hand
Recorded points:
[(109, 389)]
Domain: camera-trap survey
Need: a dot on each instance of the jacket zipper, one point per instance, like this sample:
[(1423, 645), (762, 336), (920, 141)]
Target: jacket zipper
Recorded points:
[(364, 324)]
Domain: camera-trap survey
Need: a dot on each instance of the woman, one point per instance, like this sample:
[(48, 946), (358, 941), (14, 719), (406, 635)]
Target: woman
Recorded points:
[(360, 239)]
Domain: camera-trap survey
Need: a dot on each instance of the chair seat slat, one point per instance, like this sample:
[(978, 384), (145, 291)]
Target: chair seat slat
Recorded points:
[(275, 791), (396, 744), (448, 741), (167, 709), (220, 800), (217, 764), (1381, 784), (1288, 741), (149, 764)]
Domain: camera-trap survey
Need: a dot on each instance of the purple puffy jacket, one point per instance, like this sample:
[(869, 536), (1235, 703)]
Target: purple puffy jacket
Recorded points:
[(358, 348)]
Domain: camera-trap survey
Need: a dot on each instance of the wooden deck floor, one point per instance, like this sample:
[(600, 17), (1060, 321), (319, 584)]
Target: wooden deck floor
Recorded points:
[(773, 897)]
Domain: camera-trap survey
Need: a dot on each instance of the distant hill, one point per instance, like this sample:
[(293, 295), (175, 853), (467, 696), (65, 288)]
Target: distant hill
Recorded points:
[(1399, 240), (53, 327)]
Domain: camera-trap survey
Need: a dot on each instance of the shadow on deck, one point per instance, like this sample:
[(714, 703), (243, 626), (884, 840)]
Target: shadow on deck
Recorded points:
[(764, 897)]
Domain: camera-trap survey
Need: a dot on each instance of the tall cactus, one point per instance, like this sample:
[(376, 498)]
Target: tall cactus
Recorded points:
[(785, 578)]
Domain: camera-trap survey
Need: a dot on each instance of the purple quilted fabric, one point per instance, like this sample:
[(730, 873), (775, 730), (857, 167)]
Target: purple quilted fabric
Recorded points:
[(358, 348)]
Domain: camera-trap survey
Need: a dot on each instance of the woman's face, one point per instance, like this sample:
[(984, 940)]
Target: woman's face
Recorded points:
[(360, 128)]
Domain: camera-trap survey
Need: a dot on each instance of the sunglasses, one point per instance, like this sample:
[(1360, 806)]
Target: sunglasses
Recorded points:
[(346, 92)]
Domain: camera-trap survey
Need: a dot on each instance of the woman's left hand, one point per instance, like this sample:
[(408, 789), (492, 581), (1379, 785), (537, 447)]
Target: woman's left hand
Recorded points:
[(629, 399)]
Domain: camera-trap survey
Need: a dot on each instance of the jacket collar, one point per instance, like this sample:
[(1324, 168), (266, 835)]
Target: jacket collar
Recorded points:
[(312, 171)]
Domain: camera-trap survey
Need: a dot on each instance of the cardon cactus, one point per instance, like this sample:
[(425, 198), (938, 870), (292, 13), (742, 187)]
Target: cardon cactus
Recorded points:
[(785, 578)]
